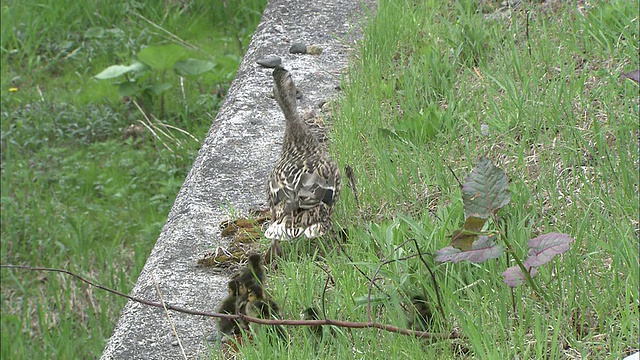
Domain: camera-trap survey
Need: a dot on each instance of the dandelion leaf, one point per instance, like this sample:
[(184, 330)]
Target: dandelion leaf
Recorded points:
[(114, 71), (193, 67), (162, 57)]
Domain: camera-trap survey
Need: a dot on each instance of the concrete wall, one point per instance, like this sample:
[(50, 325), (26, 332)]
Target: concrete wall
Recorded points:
[(230, 170)]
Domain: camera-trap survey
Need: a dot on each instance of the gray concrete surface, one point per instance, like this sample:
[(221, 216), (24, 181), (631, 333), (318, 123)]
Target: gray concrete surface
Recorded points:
[(230, 171)]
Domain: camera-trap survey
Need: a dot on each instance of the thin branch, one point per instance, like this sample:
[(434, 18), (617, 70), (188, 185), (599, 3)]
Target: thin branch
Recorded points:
[(178, 129), (454, 175), (527, 32), (149, 126), (173, 328), (513, 295), (324, 291), (353, 263), (375, 275), (171, 35), (338, 323), (433, 279)]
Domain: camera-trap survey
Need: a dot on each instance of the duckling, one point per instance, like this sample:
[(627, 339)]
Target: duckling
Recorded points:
[(252, 273), (304, 184), (261, 306), (228, 306), (312, 314), (420, 315)]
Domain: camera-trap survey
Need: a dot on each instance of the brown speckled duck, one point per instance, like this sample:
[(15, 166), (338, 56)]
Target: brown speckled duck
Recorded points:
[(304, 185)]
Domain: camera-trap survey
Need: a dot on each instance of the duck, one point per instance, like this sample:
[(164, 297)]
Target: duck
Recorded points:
[(305, 183)]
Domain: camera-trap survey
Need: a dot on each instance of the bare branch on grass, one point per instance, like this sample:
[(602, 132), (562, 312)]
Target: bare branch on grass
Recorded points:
[(286, 322), (433, 279), (375, 276)]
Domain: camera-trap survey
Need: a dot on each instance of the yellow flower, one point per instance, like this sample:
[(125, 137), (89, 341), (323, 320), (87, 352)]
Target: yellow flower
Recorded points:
[(13, 89)]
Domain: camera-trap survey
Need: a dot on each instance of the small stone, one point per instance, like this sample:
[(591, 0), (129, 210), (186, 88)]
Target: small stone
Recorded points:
[(484, 129), (298, 48), (314, 50), (175, 343), (270, 61)]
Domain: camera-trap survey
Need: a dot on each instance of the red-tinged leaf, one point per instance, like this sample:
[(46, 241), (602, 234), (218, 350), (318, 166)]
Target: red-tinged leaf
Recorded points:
[(545, 247), (463, 239), (514, 276), (483, 249), (485, 190)]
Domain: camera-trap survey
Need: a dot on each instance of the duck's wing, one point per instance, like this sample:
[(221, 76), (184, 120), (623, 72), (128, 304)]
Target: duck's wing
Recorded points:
[(313, 184)]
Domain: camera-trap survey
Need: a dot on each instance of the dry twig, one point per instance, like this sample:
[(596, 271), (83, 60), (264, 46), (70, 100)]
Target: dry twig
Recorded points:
[(167, 306)]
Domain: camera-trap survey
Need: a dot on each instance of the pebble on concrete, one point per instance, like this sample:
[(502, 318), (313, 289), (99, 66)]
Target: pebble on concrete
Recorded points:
[(314, 50), (298, 48), (270, 61)]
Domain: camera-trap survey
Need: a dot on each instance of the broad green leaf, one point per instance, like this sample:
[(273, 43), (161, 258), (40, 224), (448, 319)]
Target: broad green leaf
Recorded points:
[(482, 250), (129, 88), (158, 89), (545, 247), (485, 190), (94, 33), (66, 45), (118, 70), (162, 57), (463, 239), (193, 67)]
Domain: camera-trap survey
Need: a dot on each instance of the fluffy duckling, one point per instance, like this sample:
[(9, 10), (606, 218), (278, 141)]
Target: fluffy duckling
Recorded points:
[(253, 272), (420, 315), (261, 306), (228, 306), (312, 314)]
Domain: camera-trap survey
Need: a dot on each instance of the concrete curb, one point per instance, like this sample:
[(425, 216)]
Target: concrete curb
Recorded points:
[(230, 171)]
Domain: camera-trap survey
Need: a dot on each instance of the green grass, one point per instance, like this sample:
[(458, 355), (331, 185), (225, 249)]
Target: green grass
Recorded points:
[(425, 81), (75, 193)]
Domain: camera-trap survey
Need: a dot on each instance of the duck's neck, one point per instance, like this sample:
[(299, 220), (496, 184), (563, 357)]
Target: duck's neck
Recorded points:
[(297, 136)]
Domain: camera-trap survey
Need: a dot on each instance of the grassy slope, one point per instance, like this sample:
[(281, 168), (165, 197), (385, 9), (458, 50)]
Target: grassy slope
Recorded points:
[(75, 195), (424, 82)]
